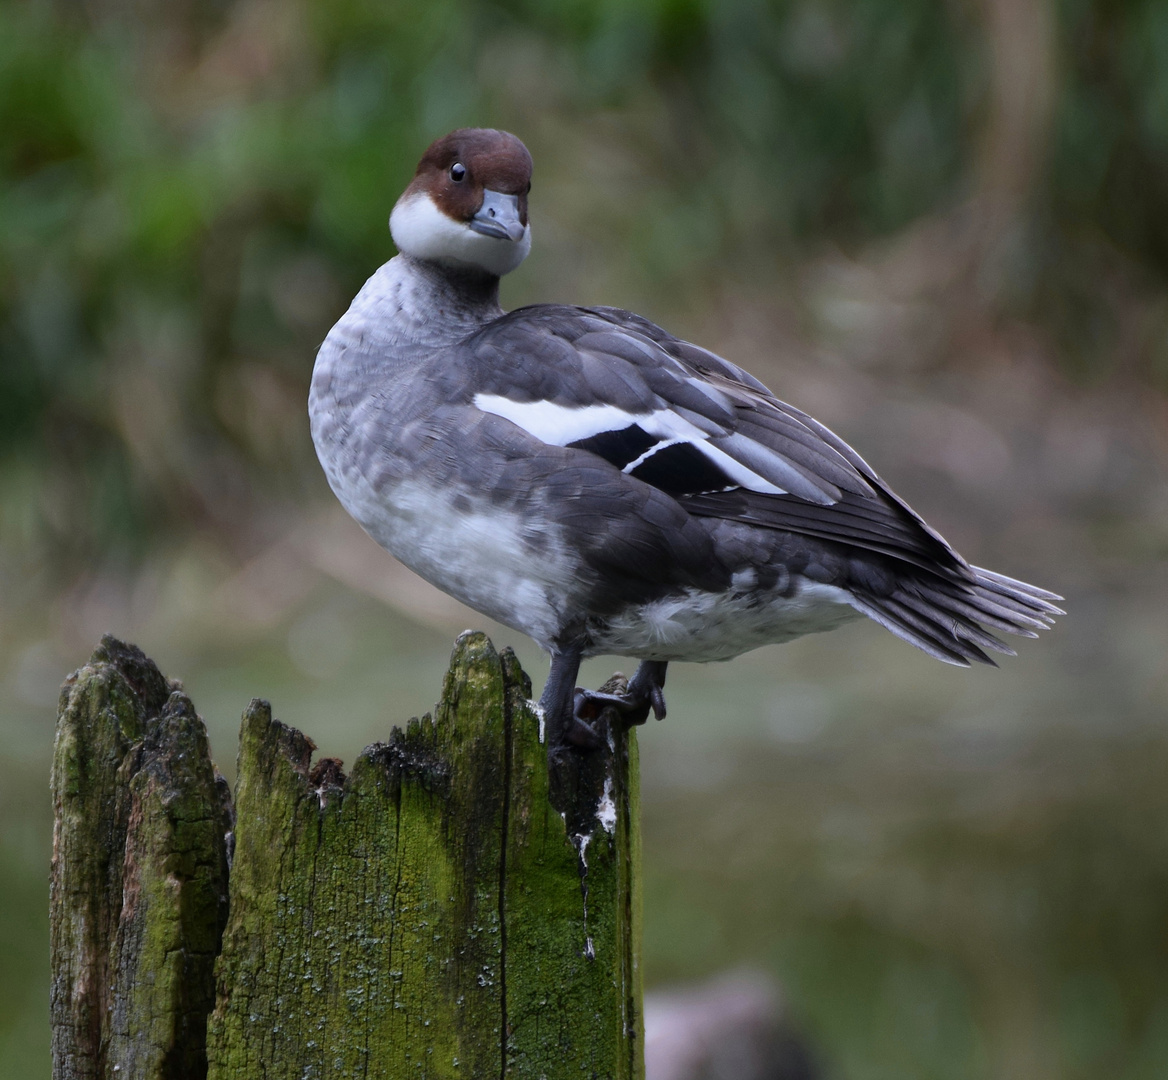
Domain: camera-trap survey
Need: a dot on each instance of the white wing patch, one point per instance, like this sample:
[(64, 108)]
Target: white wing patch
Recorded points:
[(559, 425)]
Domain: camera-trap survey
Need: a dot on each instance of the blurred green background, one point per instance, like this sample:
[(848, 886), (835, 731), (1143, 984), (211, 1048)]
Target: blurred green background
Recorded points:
[(940, 227)]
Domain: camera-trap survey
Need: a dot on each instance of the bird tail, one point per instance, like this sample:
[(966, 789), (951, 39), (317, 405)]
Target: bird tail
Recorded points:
[(947, 617)]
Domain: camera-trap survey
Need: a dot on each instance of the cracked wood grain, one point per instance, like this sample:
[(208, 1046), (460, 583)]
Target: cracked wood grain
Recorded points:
[(437, 913), (425, 916), (138, 887)]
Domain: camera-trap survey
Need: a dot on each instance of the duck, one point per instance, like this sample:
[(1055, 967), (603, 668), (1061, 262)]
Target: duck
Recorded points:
[(584, 477)]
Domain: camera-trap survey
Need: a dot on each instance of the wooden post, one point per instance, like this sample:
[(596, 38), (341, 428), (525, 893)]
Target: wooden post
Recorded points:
[(442, 911), (138, 891)]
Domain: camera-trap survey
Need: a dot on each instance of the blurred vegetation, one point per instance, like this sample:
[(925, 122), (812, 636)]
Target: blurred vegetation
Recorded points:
[(1010, 941), (946, 220), (189, 192)]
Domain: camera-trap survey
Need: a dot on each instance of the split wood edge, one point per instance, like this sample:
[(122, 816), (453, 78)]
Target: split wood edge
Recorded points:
[(445, 910)]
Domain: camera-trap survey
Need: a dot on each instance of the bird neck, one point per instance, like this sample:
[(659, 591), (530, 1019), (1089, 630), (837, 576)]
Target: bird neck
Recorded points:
[(434, 303), (410, 304)]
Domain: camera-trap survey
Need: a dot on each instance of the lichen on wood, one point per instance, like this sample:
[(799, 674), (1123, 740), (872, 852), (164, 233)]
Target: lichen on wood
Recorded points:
[(426, 915), (573, 889), (138, 890), (443, 911)]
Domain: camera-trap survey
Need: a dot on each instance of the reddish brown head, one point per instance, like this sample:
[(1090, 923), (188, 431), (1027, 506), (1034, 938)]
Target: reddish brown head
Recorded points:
[(459, 167), (467, 202)]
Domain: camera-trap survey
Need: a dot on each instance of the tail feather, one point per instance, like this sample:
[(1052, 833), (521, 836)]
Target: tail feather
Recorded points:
[(982, 611), (880, 613), (942, 631), (986, 605), (1039, 599), (961, 625), (946, 615)]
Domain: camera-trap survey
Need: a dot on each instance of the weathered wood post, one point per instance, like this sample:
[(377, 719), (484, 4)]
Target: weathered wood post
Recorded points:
[(439, 912)]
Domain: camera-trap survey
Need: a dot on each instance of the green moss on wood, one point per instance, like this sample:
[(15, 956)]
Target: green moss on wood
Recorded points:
[(425, 917), (574, 907), (442, 912), (139, 875)]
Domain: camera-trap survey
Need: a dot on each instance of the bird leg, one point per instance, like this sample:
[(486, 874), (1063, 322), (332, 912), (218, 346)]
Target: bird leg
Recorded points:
[(570, 711), (645, 690), (564, 727)]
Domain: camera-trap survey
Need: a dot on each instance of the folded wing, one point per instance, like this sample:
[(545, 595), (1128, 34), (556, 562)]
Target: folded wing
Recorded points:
[(683, 420)]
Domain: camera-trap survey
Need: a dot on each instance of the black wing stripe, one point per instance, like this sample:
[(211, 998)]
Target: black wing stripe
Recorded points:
[(619, 448), (681, 469)]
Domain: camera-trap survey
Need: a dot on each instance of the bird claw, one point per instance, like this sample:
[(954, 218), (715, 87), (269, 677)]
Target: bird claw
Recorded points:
[(631, 701), (589, 704), (582, 734), (581, 720)]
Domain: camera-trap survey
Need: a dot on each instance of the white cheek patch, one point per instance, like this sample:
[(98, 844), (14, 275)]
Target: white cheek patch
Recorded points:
[(560, 425), (420, 229)]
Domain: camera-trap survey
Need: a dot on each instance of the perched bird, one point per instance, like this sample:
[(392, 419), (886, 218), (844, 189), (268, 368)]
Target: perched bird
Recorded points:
[(581, 475)]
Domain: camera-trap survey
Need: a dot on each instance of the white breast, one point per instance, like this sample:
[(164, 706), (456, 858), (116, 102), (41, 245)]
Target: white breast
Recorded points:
[(479, 554)]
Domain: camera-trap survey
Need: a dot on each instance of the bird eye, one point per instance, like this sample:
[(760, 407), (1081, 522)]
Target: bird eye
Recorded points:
[(458, 172)]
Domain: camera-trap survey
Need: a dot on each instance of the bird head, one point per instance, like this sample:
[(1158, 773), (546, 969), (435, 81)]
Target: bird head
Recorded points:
[(466, 206)]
